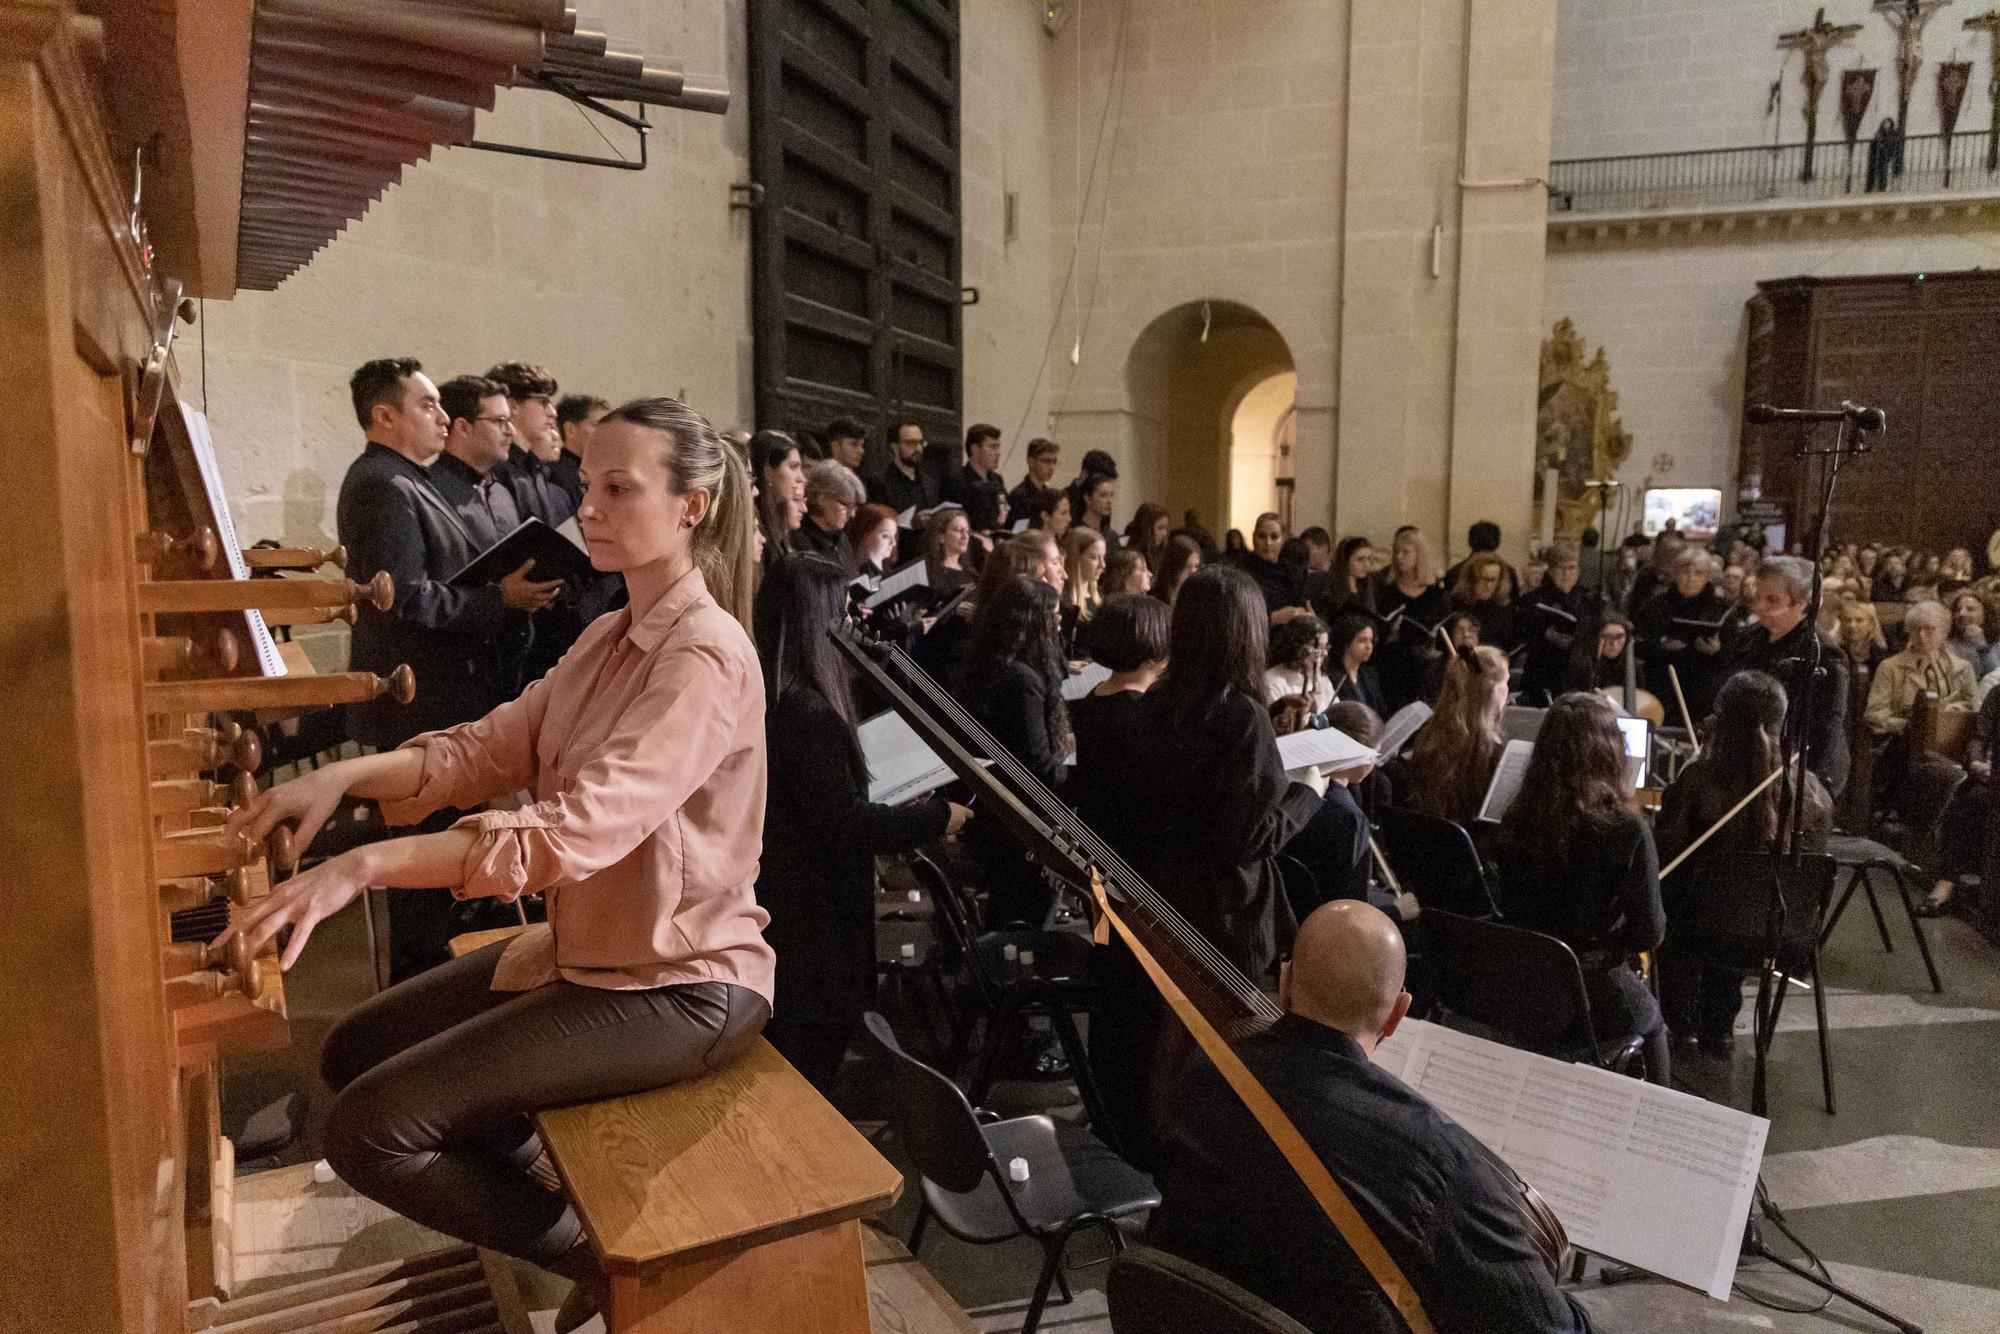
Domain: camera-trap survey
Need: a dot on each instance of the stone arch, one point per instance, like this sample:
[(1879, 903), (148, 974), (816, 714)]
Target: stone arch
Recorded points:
[(1187, 373)]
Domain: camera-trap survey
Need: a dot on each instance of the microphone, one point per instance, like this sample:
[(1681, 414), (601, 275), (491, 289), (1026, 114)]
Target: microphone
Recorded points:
[(1864, 419)]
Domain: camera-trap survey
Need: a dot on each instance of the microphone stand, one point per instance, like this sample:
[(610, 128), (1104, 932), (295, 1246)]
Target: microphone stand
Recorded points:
[(1794, 757)]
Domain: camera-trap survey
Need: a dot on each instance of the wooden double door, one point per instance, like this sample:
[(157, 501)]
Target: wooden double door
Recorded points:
[(1924, 347), (855, 145)]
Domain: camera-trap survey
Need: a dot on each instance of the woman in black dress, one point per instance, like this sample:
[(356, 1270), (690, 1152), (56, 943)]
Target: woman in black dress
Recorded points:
[(821, 833), (1408, 586), (1282, 583), (1578, 864), (1549, 616), (1011, 681), (1129, 637)]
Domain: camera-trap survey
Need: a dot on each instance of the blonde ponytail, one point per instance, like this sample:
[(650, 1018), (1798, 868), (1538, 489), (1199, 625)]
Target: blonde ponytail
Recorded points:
[(698, 459)]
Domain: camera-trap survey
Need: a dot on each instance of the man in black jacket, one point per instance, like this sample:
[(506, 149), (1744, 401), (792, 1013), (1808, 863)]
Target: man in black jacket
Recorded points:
[(1451, 1222), (903, 482), (1780, 643), (1043, 456), (391, 517)]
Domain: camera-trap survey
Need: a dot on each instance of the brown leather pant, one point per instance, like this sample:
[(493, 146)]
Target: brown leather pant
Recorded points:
[(438, 1078)]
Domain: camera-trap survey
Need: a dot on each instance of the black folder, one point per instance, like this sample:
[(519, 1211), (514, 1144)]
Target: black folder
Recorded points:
[(555, 557)]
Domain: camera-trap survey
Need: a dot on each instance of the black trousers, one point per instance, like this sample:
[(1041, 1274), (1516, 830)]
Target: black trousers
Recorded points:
[(437, 1079)]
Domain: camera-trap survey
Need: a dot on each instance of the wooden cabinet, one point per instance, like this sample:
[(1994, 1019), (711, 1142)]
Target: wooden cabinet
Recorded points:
[(1925, 347)]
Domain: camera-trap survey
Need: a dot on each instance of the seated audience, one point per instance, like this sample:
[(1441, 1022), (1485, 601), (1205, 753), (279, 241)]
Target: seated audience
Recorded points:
[(1701, 999), (1282, 583), (1350, 648), (1963, 832), (1452, 762), (1126, 575), (1180, 558), (1482, 591), (1926, 667), (1860, 637), (1577, 863), (1781, 644), (1955, 571), (1971, 634), (1547, 619), (821, 833), (1447, 1216), (1673, 629), (833, 496), (1011, 682), (1892, 578), (1035, 493)]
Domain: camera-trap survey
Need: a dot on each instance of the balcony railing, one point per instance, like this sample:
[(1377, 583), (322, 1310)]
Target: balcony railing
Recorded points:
[(1731, 177)]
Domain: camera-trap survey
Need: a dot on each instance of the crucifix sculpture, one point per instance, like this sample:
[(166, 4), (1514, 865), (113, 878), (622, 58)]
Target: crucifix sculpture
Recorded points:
[(1908, 18), (1989, 23), (1814, 43)]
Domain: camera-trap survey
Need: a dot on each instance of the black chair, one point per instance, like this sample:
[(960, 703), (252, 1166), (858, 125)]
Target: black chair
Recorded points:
[(1526, 986), (1008, 995), (1436, 861), (1151, 1292), (1074, 1182), (1862, 858), (1727, 918)]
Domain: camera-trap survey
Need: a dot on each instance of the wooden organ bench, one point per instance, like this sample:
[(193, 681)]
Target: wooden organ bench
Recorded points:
[(729, 1202)]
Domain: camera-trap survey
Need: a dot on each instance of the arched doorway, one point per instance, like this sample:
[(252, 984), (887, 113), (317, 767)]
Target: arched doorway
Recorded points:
[(1212, 390)]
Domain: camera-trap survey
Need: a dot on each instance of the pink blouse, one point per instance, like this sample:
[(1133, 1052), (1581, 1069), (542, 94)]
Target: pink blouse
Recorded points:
[(644, 748)]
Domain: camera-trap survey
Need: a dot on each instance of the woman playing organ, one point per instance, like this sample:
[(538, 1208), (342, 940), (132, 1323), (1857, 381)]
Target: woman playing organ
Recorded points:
[(644, 748)]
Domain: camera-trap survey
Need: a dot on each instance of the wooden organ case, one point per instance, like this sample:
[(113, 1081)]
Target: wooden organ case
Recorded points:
[(130, 658)]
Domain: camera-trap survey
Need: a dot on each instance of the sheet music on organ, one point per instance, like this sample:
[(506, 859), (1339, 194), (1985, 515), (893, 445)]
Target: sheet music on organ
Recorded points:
[(1645, 1175), (900, 766), (201, 444)]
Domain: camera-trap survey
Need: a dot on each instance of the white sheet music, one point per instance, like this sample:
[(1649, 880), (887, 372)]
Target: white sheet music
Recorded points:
[(914, 575), (202, 441), (1506, 784), (1403, 724), (1645, 1175), (900, 766), (1331, 749), (1092, 676), (573, 530)]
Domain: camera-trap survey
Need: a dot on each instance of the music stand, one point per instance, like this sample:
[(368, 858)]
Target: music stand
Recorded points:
[(1855, 425)]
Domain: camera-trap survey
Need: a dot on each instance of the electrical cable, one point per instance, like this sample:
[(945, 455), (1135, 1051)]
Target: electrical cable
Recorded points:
[(1082, 208)]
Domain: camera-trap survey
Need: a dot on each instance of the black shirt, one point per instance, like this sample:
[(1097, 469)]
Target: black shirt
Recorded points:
[(1443, 1211), (1282, 584), (890, 487), (567, 473), (983, 498), (538, 492), (1788, 658), (1105, 727), (1021, 500), (1547, 623), (482, 501), (809, 536)]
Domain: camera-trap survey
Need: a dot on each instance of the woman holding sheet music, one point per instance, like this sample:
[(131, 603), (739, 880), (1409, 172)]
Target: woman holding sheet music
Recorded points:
[(1411, 604), (1680, 627), (821, 833), (1549, 615), (1578, 864)]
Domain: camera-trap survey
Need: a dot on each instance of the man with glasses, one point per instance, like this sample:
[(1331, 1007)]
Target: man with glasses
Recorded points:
[(530, 471), (904, 483)]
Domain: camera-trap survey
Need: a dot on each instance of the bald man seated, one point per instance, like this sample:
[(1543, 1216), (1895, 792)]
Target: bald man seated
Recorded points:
[(1230, 1203)]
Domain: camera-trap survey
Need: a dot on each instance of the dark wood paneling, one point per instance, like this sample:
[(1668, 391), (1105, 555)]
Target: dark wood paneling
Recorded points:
[(1924, 348), (854, 137)]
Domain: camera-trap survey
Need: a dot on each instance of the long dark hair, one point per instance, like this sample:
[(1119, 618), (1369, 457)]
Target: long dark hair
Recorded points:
[(1343, 555), (802, 598), (1575, 778), (1742, 752), (1453, 759), (1016, 622), (1175, 557), (1217, 644), (1139, 532)]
